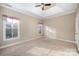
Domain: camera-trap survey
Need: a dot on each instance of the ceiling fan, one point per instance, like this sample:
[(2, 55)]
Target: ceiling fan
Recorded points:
[(43, 5)]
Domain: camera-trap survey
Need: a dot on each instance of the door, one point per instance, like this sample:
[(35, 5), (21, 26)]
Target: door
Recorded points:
[(77, 30)]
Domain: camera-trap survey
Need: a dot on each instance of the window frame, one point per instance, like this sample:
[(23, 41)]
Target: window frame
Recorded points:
[(4, 28)]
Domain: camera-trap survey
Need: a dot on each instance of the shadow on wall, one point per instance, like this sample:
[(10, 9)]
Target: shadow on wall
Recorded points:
[(49, 32)]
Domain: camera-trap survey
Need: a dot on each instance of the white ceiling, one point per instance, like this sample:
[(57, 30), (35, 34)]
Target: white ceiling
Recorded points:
[(57, 9)]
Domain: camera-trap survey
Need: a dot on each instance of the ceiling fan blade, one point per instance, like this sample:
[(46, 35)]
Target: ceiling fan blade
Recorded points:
[(48, 4), (37, 5)]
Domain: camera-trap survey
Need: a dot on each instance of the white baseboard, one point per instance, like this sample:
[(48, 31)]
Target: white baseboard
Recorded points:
[(20, 42), (63, 40), (67, 40)]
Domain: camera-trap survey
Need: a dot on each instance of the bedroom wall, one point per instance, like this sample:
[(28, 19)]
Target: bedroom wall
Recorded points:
[(61, 27), (28, 26)]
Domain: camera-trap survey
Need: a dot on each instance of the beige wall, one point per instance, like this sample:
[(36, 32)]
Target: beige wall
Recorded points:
[(61, 27), (28, 26)]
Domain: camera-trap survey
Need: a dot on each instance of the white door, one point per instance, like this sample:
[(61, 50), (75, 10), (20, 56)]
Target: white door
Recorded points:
[(40, 29), (77, 30)]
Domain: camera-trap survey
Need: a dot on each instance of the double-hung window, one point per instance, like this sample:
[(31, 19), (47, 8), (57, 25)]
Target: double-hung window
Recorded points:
[(11, 28)]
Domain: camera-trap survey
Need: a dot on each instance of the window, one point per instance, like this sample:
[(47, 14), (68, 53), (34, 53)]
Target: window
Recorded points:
[(10, 28)]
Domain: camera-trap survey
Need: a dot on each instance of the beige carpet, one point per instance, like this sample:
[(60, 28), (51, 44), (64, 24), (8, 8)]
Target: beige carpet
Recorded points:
[(41, 47)]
